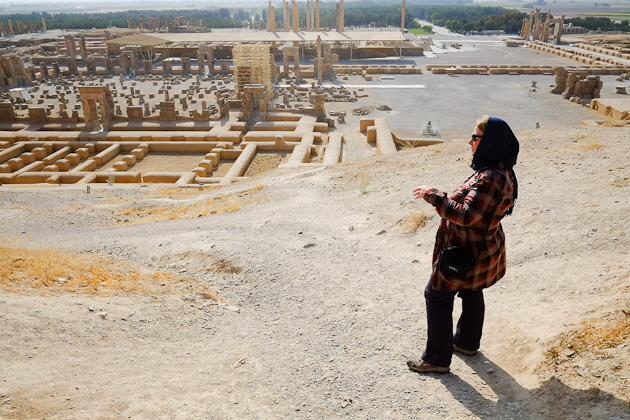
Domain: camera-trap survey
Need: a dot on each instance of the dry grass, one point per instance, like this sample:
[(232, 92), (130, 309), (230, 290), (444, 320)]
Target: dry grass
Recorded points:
[(593, 145), (595, 336), (580, 136), (180, 192), (409, 144), (225, 266), (51, 270), (414, 221), (219, 205)]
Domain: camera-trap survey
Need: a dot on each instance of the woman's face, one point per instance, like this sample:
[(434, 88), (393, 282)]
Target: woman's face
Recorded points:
[(475, 139)]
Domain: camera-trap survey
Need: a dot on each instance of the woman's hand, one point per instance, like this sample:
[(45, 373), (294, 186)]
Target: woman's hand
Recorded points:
[(421, 191)]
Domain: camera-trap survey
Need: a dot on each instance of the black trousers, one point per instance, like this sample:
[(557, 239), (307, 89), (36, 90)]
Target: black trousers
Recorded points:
[(440, 323)]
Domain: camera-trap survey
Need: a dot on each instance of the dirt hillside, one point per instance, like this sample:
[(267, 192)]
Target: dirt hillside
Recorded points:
[(319, 276)]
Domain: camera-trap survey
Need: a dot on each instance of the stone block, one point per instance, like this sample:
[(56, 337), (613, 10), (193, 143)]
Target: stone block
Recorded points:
[(130, 160), (15, 164), (199, 171), (28, 157), (138, 153), (205, 164), (145, 147), (39, 152), (73, 158), (63, 165), (120, 166), (213, 158), (5, 169), (90, 148), (51, 168), (83, 153)]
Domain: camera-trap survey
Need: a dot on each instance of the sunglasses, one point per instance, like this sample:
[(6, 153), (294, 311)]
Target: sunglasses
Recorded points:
[(476, 137)]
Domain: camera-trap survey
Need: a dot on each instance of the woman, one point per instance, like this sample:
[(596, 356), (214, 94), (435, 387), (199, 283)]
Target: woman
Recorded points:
[(471, 219)]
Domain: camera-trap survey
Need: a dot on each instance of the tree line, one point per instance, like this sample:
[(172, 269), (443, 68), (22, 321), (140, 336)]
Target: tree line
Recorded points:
[(593, 23), (457, 18)]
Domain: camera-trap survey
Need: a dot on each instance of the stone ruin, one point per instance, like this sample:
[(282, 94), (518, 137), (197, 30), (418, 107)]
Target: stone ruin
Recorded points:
[(100, 115), (577, 86)]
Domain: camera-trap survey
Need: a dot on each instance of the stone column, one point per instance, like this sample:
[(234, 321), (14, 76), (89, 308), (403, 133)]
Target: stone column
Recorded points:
[(545, 32), (274, 68), (72, 65), (62, 102), (129, 26), (134, 61), (318, 60), (83, 47), (109, 66), (271, 18), (44, 25), (318, 103), (296, 61), (308, 15), (224, 109), (210, 58), (167, 67), (201, 62), (402, 18), (55, 70), (107, 107), (343, 17), (90, 113), (185, 65), (285, 17), (559, 29), (247, 107), (90, 65), (148, 67), (19, 73), (296, 17), (43, 70), (263, 104), (317, 15), (225, 66), (285, 61), (70, 47), (124, 63), (30, 75), (10, 25)]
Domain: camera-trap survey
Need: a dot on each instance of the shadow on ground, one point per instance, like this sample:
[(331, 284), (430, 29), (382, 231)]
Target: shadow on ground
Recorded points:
[(497, 395), (553, 400)]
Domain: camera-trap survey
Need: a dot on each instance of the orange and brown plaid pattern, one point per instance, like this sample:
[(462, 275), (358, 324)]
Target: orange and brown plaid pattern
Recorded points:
[(465, 216)]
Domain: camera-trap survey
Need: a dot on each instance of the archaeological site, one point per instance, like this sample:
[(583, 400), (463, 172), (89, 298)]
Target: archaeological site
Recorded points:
[(208, 213)]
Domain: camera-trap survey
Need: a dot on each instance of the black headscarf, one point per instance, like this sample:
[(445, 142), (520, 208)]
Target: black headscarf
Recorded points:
[(498, 145)]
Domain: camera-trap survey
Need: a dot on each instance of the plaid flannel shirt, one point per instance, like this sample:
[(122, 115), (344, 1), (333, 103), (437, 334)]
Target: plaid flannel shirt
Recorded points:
[(465, 216)]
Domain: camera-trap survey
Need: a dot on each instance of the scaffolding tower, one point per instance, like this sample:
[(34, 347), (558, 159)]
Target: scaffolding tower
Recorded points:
[(252, 65)]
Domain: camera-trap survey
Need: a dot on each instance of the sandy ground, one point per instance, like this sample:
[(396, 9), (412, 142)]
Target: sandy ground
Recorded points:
[(324, 303)]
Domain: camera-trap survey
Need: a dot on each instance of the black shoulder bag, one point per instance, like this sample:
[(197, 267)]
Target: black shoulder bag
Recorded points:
[(455, 261)]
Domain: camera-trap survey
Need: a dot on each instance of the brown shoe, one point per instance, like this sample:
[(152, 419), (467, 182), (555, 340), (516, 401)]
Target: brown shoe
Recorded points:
[(464, 351), (421, 366)]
